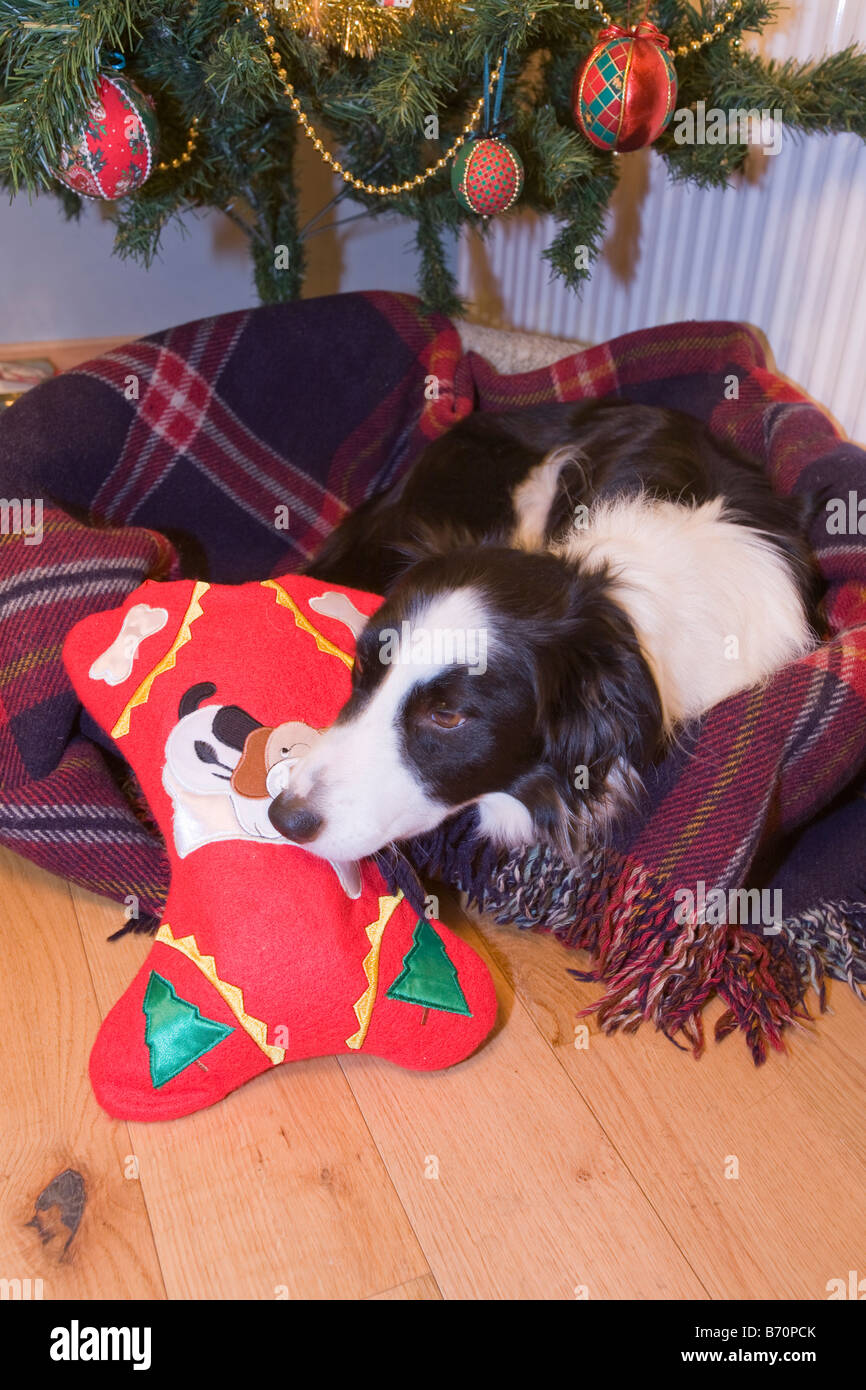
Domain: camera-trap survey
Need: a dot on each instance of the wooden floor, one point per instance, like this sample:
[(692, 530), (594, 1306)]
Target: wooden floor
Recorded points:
[(562, 1173)]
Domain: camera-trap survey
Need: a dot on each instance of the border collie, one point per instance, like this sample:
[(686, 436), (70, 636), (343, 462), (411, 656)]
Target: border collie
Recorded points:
[(567, 586)]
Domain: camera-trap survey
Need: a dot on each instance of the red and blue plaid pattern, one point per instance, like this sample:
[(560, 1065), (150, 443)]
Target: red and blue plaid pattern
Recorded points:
[(177, 451)]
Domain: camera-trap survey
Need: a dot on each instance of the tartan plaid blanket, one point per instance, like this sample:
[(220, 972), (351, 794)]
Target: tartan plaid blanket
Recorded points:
[(229, 447)]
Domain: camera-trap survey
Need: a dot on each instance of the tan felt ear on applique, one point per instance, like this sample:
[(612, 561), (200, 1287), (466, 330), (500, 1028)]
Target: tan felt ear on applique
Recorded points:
[(263, 749), (290, 740), (250, 777)]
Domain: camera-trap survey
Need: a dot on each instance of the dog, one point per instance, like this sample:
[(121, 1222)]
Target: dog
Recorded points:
[(566, 587)]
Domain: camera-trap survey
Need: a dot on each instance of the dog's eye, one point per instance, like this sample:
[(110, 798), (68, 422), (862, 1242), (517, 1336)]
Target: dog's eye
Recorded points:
[(447, 718)]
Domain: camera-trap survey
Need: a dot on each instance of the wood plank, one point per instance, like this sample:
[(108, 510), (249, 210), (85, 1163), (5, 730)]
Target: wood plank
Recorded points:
[(794, 1217), (278, 1191), (512, 1188), (829, 1071), (50, 1124), (558, 1168), (63, 352), (422, 1290)]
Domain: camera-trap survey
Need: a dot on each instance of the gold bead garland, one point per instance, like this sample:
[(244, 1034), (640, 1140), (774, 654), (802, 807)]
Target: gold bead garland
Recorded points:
[(380, 190), (694, 45), (192, 141)]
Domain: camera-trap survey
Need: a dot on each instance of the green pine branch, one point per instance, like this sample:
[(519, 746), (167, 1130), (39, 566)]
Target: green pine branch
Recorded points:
[(394, 114)]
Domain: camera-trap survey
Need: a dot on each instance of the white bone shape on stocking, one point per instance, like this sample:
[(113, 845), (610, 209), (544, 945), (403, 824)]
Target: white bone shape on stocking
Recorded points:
[(340, 607), (114, 665)]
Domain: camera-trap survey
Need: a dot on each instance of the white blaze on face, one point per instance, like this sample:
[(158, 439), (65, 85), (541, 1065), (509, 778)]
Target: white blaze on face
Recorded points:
[(357, 776)]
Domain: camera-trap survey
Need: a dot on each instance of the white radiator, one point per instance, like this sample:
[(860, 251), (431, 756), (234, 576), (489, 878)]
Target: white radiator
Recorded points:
[(786, 252)]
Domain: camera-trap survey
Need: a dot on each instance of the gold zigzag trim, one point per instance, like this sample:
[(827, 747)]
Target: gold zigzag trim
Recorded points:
[(232, 994), (375, 931), (321, 641), (142, 693)]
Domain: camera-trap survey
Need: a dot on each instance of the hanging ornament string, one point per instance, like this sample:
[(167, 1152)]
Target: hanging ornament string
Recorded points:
[(499, 82), (487, 174), (485, 125), (709, 36), (380, 190)]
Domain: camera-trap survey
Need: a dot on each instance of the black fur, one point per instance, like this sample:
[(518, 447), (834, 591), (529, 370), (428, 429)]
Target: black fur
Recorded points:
[(574, 694), (575, 698), (464, 481)]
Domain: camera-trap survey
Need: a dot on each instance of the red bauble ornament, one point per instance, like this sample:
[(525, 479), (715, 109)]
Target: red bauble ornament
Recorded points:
[(487, 176), (116, 149), (624, 95)]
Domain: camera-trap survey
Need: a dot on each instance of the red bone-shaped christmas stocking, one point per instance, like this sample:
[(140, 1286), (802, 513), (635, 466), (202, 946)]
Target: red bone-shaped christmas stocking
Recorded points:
[(266, 954)]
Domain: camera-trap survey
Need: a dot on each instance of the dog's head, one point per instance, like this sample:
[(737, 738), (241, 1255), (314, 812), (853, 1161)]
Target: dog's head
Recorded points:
[(490, 676)]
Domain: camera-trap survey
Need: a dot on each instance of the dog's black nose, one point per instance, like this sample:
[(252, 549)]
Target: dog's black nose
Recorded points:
[(293, 818)]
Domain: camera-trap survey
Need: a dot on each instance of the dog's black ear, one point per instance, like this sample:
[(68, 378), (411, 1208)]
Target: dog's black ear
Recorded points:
[(429, 540), (600, 723)]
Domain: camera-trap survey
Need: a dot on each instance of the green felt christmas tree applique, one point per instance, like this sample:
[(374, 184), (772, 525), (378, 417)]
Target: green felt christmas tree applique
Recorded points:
[(428, 978), (176, 1033)]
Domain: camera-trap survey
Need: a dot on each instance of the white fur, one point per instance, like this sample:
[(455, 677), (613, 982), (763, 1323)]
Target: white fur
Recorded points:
[(359, 781), (713, 603), (505, 820), (715, 609), (533, 498)]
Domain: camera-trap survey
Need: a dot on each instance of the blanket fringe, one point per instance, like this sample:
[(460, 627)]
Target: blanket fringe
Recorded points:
[(830, 940), (655, 968)]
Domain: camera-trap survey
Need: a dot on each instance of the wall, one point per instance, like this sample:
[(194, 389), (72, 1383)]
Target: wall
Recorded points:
[(60, 279), (782, 251)]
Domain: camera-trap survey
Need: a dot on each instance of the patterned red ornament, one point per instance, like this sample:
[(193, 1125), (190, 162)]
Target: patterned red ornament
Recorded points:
[(116, 150), (625, 93), (487, 176)]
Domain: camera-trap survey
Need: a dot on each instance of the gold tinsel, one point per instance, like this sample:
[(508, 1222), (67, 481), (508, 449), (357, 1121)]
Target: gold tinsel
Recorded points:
[(358, 27)]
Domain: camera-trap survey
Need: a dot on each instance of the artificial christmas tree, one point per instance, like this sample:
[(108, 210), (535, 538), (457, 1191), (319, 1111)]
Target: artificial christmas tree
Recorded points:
[(388, 97)]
